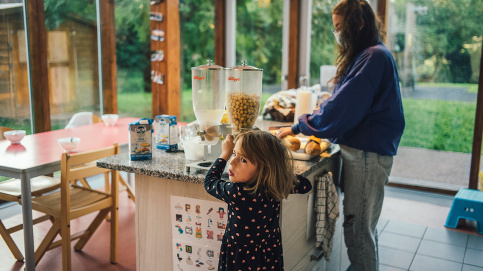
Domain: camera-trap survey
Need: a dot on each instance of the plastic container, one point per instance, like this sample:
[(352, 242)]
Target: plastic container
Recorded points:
[(208, 92), (243, 95)]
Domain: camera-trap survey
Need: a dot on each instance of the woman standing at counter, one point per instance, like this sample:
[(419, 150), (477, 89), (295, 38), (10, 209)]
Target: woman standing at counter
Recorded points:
[(365, 116)]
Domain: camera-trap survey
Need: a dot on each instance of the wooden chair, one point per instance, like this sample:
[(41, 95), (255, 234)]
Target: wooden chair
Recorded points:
[(73, 201), (10, 191), (4, 129)]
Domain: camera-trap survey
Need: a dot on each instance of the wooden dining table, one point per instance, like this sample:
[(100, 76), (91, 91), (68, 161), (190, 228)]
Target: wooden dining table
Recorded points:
[(40, 154)]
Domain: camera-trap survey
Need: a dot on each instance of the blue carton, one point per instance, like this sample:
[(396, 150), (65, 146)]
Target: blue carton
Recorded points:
[(141, 139), (166, 132)]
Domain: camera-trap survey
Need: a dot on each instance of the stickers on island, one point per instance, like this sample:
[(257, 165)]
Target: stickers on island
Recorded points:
[(141, 139), (166, 132)]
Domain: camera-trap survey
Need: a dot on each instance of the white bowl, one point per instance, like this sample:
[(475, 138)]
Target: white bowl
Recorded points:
[(69, 143), (14, 136), (110, 119)]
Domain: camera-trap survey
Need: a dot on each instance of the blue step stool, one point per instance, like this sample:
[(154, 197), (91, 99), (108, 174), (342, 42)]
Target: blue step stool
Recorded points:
[(467, 204)]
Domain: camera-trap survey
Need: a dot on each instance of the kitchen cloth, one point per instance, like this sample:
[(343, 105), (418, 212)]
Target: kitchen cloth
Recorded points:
[(327, 209)]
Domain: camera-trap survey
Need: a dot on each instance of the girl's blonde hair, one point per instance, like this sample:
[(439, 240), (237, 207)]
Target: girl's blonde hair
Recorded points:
[(274, 162)]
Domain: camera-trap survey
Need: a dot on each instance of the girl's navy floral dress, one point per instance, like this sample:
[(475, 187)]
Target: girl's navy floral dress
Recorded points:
[(252, 240)]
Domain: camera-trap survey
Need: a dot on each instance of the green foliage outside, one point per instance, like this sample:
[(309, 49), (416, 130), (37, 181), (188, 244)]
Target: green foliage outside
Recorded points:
[(323, 50), (439, 125), (447, 34)]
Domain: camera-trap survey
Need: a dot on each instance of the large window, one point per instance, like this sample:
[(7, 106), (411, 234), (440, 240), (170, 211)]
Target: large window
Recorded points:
[(259, 39), (72, 59), (437, 47), (323, 46), (14, 91), (197, 34), (133, 58)]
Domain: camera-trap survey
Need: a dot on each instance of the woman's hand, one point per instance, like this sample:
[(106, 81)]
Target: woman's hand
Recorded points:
[(284, 131), (227, 147)]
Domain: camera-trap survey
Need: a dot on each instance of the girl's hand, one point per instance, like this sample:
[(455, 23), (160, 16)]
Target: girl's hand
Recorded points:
[(227, 147), (284, 131)]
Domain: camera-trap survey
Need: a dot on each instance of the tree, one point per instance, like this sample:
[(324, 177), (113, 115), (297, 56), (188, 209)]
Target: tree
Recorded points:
[(443, 28)]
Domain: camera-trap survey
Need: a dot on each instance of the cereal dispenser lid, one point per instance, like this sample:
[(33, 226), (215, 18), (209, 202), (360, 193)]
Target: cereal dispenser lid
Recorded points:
[(244, 67), (208, 66)]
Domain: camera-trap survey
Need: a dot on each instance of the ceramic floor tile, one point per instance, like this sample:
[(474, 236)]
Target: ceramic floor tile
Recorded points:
[(405, 228), (475, 241), (397, 241), (426, 263), (446, 236), (471, 268), (474, 257), (381, 224), (389, 268), (442, 251), (395, 258)]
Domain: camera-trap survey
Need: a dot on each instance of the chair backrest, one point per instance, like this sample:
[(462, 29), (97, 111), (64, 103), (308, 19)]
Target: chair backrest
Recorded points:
[(4, 129), (82, 118), (80, 165)]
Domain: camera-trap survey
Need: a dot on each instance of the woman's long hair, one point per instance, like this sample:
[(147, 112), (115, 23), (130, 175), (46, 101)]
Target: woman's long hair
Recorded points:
[(353, 38), (275, 174)]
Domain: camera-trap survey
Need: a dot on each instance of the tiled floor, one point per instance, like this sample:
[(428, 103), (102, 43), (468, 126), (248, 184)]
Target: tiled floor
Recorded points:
[(409, 243), (412, 236)]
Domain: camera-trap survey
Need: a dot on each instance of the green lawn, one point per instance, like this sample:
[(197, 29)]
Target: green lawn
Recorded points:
[(439, 125), (471, 88)]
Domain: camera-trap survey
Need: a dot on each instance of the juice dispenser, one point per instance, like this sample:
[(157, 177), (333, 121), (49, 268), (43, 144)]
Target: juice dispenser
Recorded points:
[(243, 95), (208, 91)]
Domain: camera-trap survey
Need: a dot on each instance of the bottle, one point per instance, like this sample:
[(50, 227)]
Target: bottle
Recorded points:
[(304, 103)]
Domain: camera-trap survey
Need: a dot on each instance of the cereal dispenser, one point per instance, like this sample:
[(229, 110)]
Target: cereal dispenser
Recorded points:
[(202, 143), (208, 91), (243, 95)]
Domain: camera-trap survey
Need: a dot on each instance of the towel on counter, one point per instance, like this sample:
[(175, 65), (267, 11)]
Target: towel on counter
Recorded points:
[(327, 209)]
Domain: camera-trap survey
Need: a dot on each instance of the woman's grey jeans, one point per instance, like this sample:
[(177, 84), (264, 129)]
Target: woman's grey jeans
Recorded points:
[(364, 177)]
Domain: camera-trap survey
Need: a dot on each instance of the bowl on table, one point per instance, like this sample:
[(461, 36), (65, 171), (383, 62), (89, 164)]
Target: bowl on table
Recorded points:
[(110, 119), (68, 143), (14, 136)]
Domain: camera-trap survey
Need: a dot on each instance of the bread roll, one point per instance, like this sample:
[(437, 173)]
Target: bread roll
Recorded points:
[(291, 142), (312, 148), (324, 145), (316, 139)]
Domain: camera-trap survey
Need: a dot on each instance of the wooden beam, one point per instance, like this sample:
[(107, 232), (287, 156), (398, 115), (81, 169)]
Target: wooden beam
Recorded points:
[(382, 14), (220, 35), (293, 44), (109, 68), (478, 132), (166, 95), (158, 90), (172, 71), (38, 66)]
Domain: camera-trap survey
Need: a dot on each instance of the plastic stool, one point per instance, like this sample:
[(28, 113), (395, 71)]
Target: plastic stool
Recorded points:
[(467, 204)]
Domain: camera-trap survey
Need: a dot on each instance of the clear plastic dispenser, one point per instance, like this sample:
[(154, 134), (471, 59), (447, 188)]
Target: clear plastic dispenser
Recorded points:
[(208, 90), (243, 95)]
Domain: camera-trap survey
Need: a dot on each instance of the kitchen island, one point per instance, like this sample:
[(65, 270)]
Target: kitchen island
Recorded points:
[(164, 188)]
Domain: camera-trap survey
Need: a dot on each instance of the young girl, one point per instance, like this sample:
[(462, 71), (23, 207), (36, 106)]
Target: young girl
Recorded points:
[(261, 175)]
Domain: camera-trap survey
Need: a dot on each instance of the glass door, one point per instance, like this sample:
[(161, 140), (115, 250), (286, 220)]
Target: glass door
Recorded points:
[(437, 47)]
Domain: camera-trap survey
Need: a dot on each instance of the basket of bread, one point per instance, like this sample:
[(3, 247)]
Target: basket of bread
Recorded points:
[(281, 105)]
